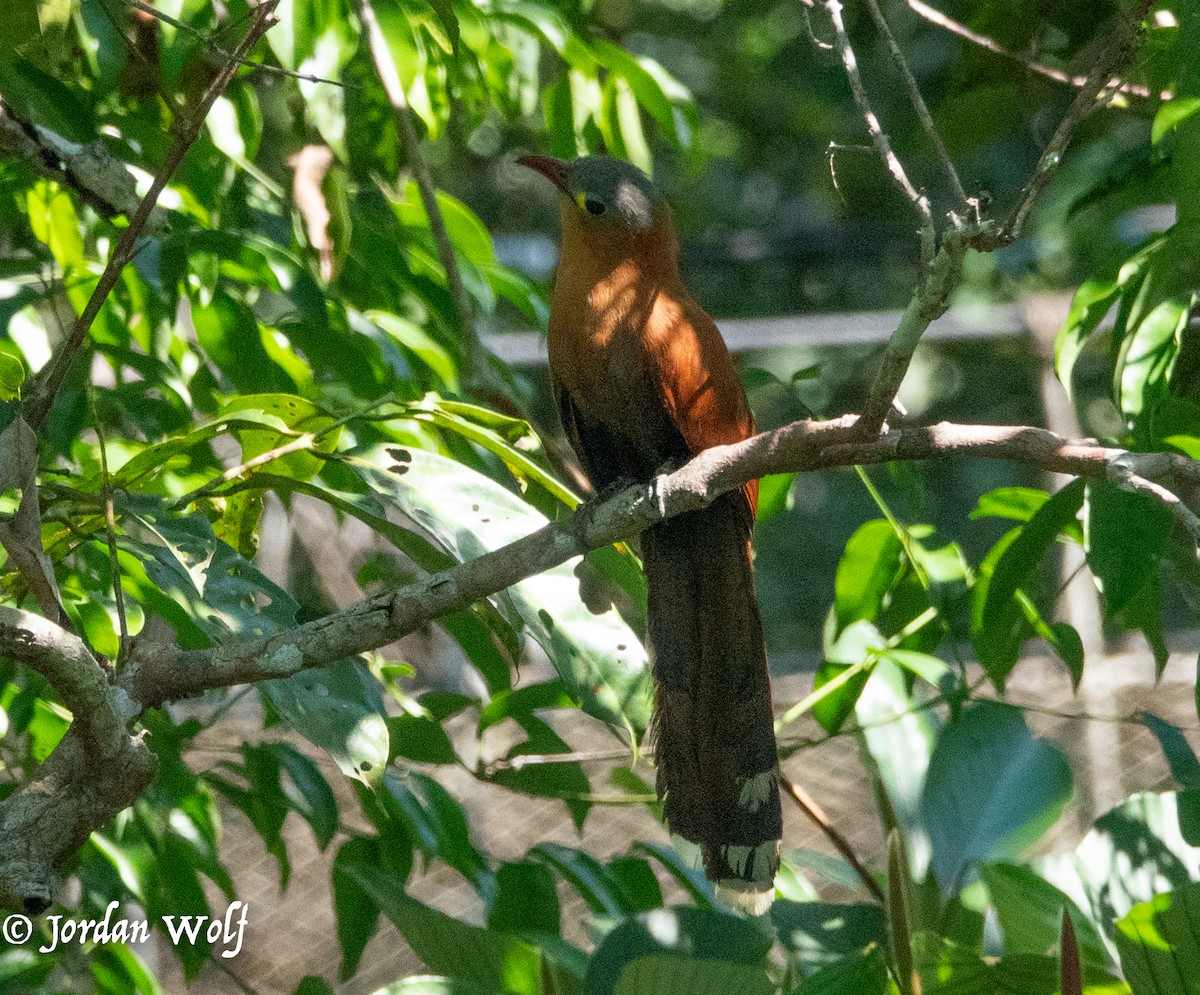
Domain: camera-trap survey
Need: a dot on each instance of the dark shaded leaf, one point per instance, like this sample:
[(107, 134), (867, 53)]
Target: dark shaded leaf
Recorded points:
[(490, 959), (992, 789), (705, 936)]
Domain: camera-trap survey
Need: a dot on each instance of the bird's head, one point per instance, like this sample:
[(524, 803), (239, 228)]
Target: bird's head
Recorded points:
[(607, 200)]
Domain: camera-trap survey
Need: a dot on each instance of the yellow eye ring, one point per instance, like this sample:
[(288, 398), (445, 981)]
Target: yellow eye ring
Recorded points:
[(588, 202)]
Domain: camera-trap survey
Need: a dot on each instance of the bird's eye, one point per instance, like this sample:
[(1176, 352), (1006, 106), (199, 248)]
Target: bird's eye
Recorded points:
[(592, 205)]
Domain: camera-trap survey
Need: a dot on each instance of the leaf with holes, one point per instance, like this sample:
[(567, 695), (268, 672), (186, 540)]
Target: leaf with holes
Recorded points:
[(338, 708), (598, 657)]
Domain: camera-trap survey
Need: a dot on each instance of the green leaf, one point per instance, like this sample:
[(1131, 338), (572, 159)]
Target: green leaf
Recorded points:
[(339, 709), (12, 374), (1125, 535), (18, 28), (312, 797), (992, 789), (421, 344), (899, 743), (492, 960), (296, 416), (1091, 303), (1176, 425), (603, 892), (930, 669), (262, 802), (1146, 355), (117, 969), (47, 726), (1172, 114), (1030, 911), (997, 613), (866, 572), (706, 936), (1132, 851), (634, 876), (525, 902), (54, 223), (221, 592), (688, 877), (1019, 504), (621, 124), (355, 912), (598, 657), (821, 933), (420, 738), (563, 780), (436, 823), (862, 974), (774, 495), (841, 679), (1159, 941), (42, 97), (666, 975), (512, 439), (467, 233), (1185, 768), (948, 969)]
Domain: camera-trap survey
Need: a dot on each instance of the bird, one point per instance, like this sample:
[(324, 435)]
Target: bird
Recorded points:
[(643, 382)]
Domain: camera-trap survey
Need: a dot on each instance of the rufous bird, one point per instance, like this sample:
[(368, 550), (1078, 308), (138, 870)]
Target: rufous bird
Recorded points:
[(643, 383)]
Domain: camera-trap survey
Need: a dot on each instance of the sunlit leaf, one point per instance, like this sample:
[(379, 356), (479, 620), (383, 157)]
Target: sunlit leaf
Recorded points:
[(597, 656), (339, 709), (1159, 941)]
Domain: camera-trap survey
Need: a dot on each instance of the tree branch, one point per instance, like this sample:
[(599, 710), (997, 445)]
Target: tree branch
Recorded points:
[(809, 807), (918, 102), (157, 673), (879, 137), (934, 16), (1100, 81), (97, 770)]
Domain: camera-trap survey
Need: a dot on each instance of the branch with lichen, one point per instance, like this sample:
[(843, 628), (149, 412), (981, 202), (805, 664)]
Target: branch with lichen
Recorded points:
[(100, 768)]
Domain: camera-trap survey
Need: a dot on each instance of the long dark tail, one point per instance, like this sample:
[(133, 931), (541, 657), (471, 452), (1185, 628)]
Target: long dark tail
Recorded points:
[(714, 729)]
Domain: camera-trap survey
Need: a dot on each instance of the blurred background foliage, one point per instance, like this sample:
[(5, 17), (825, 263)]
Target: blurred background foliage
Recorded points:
[(290, 291)]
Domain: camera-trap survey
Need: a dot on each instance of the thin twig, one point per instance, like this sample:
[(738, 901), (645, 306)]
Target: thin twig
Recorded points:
[(110, 526), (476, 360), (1100, 81), (225, 53), (940, 277), (806, 13), (983, 41), (127, 248), (523, 760), (879, 137), (817, 814), (918, 102)]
